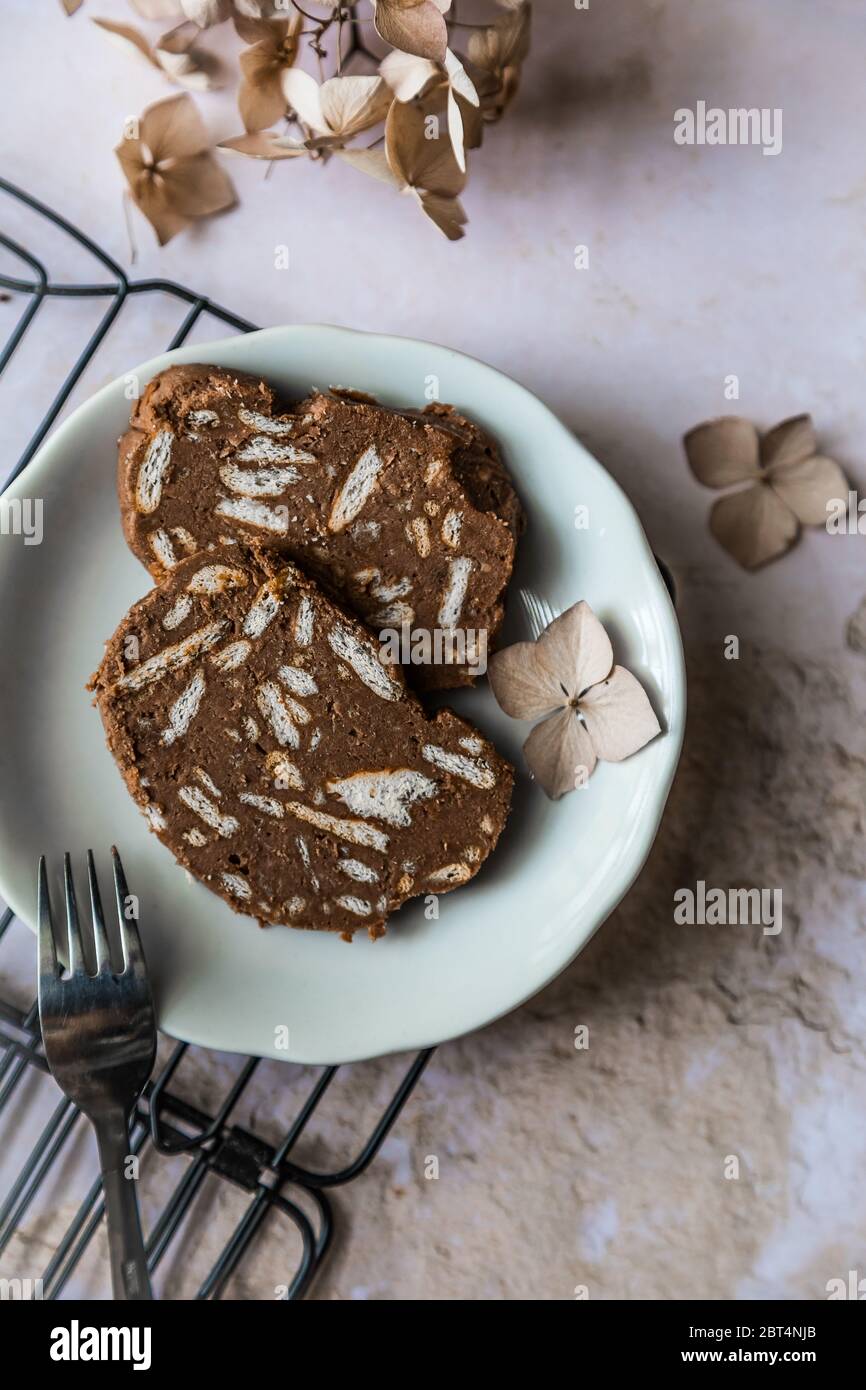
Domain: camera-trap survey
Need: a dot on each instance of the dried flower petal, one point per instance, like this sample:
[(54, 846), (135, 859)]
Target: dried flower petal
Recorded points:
[(789, 442), (126, 36), (504, 43), (204, 13), (500, 49), (174, 53), (559, 753), (263, 144), (183, 63), (619, 718), (353, 104), (372, 162), (261, 99), (260, 9), (459, 80), (303, 95), (754, 525), (409, 77), (522, 685), (420, 162), (806, 487), (723, 451), (426, 167), (445, 213), (406, 74), (455, 131), (173, 129), (254, 30), (157, 9), (459, 85), (342, 106), (198, 186), (153, 201), (576, 650), (414, 26)]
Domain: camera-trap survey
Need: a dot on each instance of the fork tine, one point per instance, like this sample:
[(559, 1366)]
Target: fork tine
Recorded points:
[(73, 927), (100, 940), (48, 967), (133, 955)]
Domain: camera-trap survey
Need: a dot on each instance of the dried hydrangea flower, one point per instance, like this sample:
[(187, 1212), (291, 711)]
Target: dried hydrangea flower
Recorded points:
[(174, 54), (338, 109), (439, 90), (594, 709), (424, 169), (172, 175), (410, 77), (273, 50), (499, 50), (789, 483)]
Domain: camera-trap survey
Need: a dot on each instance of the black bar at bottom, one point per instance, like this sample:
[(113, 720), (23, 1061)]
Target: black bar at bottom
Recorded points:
[(649, 1337)]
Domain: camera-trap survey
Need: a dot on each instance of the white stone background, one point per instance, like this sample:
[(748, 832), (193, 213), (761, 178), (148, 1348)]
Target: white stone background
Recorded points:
[(602, 1167)]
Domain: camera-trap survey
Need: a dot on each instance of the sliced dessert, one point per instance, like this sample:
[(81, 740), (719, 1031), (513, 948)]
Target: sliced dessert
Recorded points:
[(411, 518), (280, 760)]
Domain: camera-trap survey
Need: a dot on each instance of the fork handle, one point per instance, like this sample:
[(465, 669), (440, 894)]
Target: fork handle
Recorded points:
[(129, 1277)]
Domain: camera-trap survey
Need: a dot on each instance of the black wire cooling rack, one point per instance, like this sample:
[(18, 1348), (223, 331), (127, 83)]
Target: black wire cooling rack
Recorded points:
[(171, 1126)]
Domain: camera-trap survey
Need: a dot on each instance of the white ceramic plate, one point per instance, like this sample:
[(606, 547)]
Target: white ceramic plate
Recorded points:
[(559, 869)]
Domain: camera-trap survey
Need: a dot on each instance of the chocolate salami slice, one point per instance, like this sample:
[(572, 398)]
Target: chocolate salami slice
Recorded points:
[(410, 518), (280, 759)]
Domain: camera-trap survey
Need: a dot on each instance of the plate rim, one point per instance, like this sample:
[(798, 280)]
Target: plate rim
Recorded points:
[(210, 351)]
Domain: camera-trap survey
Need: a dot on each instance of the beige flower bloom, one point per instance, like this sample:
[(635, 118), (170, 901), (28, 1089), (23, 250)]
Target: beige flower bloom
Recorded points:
[(175, 53), (789, 483), (594, 709), (409, 77), (332, 114), (423, 168), (499, 51), (341, 108), (274, 48), (172, 175)]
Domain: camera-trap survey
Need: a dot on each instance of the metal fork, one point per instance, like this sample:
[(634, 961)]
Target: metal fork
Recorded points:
[(99, 1033)]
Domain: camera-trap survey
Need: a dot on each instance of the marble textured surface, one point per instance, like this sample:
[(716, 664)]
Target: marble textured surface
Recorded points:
[(602, 1167)]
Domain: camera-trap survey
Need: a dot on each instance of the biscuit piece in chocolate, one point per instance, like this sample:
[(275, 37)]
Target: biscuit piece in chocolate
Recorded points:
[(411, 518), (280, 760)]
